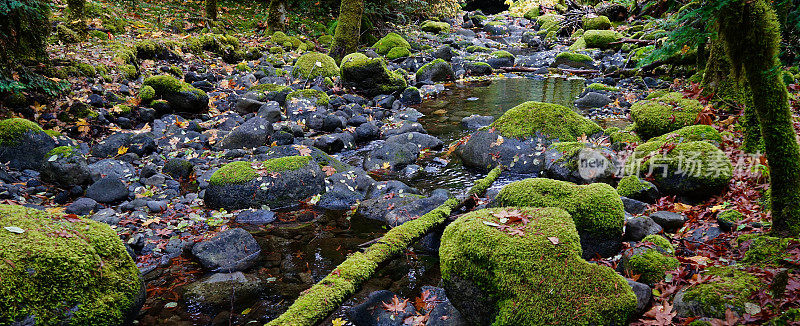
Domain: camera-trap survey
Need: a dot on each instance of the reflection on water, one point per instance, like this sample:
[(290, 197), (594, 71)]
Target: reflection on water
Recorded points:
[(443, 114), (443, 119)]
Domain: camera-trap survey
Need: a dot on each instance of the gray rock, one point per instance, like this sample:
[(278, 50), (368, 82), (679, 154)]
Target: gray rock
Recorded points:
[(229, 251), (270, 111), (422, 141), (253, 133), (255, 217), (670, 221), (592, 100), (82, 206), (373, 313), (639, 227), (436, 71), (107, 215), (444, 52), (223, 289), (643, 296), (66, 171), (27, 151), (391, 155), (139, 144), (108, 190), (633, 206), (475, 122), (113, 169)]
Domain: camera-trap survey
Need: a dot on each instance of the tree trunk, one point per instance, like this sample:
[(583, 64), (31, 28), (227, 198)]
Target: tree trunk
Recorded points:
[(752, 38), (276, 21), (211, 9), (348, 30), (320, 300), (76, 9)]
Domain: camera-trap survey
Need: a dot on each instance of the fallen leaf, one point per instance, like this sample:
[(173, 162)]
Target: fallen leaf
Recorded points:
[(14, 229), (553, 240)]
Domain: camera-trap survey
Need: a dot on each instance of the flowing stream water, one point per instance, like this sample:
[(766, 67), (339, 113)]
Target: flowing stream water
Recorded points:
[(306, 244)]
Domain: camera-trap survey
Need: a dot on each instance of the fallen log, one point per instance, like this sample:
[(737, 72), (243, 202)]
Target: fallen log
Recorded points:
[(633, 40), (571, 71), (320, 300)]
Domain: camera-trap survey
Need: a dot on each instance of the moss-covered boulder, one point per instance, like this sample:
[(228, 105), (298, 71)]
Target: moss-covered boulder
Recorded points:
[(596, 208), (731, 289), (533, 276), (276, 183), (390, 41), (622, 138), (691, 133), (552, 121), (601, 38), (762, 250), (650, 259), (370, 76), (695, 169), (315, 64), (436, 71), (61, 270), (434, 27), (580, 163), (501, 58), (574, 60), (23, 144), (660, 115), (398, 52), (633, 187), (549, 23), (180, 96), (596, 22)]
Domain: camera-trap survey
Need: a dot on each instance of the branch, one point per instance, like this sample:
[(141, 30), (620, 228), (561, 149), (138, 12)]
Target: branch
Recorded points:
[(320, 300), (572, 71), (633, 40)]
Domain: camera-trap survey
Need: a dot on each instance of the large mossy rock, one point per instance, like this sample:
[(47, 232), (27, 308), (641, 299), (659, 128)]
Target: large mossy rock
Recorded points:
[(389, 42), (314, 64), (180, 96), (534, 278), (370, 76), (23, 144), (731, 289), (694, 169), (601, 38), (650, 259), (517, 139), (436, 71), (60, 270), (276, 183), (552, 121), (596, 208), (660, 115)]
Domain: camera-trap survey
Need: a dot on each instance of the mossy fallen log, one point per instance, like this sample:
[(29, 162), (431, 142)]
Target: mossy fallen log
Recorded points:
[(316, 303)]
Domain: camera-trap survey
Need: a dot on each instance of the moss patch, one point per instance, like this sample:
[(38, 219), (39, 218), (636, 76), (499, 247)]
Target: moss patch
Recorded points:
[(660, 115), (398, 52), (319, 97), (532, 280), (601, 38), (631, 186), (731, 288), (552, 120), (314, 64), (596, 208), (597, 22), (389, 42), (12, 129), (59, 267), (763, 250), (244, 171)]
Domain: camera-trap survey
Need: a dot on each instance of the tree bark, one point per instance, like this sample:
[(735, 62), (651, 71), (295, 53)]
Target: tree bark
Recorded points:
[(211, 9), (752, 38), (348, 29), (276, 19), (320, 300)]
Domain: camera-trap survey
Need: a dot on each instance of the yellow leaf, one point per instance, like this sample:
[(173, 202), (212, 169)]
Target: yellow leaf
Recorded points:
[(681, 207), (717, 208), (122, 150), (338, 322), (386, 165)]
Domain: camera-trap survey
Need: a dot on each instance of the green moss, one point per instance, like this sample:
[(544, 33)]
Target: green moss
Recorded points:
[(12, 129), (691, 133), (269, 88), (631, 185), (730, 217), (320, 97), (243, 171), (434, 27), (243, 67), (596, 208), (502, 54), (764, 250), (390, 41), (532, 280), (698, 322), (52, 133), (325, 40), (533, 13), (660, 242), (731, 289), (651, 265), (63, 151), (86, 69), (601, 38), (576, 57), (314, 64), (147, 94), (580, 44), (602, 87), (358, 68), (279, 38), (692, 168), (74, 271), (660, 115), (552, 120), (597, 22), (166, 84), (67, 35), (398, 52), (476, 48), (549, 22)]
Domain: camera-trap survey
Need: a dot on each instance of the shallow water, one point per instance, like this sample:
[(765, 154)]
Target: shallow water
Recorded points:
[(304, 245)]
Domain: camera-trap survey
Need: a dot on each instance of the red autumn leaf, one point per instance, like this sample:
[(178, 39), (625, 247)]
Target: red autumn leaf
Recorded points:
[(395, 306)]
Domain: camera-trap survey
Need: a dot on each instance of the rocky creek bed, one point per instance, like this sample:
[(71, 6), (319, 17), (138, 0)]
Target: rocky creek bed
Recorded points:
[(235, 190)]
